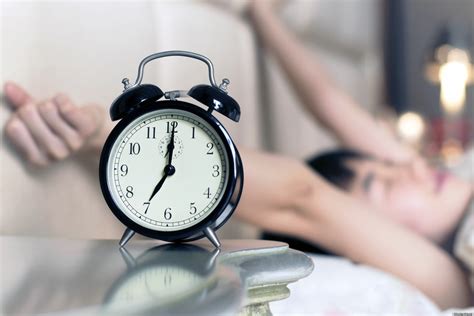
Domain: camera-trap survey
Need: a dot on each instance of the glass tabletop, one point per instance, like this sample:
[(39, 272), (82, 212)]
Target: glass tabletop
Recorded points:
[(58, 276)]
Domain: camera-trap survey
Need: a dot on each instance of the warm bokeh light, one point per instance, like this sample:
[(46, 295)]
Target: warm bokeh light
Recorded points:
[(453, 76), (411, 127), (451, 151)]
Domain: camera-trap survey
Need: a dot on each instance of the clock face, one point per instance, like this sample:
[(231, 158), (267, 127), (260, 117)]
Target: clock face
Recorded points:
[(139, 177)]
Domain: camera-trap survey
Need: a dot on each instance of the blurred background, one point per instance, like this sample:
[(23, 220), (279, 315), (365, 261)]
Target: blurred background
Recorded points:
[(409, 61)]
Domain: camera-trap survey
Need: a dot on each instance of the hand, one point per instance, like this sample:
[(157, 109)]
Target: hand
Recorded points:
[(171, 147), (158, 186), (50, 130), (168, 171)]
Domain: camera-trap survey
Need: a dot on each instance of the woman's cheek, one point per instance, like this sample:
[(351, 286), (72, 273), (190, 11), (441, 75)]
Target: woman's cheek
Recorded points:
[(409, 207), (377, 195)]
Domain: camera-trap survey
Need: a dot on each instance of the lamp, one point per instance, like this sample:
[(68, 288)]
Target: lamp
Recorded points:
[(451, 66)]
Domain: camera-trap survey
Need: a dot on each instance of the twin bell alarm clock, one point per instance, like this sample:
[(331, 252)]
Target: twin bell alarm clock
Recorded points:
[(169, 169)]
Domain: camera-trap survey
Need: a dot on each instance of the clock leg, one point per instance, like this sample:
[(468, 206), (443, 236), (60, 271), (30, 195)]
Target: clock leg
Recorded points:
[(126, 237), (211, 235)]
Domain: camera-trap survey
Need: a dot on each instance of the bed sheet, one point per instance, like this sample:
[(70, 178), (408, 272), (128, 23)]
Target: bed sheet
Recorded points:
[(337, 286)]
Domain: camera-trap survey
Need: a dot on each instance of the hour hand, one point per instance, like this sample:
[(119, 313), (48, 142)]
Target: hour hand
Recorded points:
[(168, 171), (158, 186)]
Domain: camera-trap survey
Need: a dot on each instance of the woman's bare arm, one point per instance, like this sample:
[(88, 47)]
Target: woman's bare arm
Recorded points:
[(353, 229), (333, 108), (283, 195)]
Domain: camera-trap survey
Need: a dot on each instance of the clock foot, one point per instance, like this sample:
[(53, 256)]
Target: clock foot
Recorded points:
[(211, 235), (128, 258), (127, 235)]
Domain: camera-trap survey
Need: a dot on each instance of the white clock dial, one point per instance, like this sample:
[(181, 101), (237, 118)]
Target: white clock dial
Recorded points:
[(138, 159)]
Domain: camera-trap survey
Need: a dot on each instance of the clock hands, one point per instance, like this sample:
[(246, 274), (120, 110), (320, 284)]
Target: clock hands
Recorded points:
[(169, 169), (171, 146)]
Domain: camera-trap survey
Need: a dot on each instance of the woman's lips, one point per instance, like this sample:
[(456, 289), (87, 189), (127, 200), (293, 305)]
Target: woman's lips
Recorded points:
[(440, 179)]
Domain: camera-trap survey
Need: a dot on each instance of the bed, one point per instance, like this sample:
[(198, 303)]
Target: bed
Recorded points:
[(338, 286)]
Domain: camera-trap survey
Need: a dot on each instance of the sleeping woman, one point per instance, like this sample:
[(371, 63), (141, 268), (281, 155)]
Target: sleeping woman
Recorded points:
[(374, 168), (379, 203)]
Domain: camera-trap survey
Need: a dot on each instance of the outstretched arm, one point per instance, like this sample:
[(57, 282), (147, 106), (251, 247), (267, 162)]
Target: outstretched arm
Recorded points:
[(283, 195), (351, 228), (333, 108)]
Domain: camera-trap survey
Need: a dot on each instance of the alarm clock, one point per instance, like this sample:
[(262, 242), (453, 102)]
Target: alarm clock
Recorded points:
[(169, 169)]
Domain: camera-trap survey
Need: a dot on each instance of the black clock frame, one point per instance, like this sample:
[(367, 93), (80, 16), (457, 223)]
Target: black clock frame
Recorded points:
[(230, 197)]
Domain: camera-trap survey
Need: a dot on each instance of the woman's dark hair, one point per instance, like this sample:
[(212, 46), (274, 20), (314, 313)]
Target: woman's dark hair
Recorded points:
[(333, 166)]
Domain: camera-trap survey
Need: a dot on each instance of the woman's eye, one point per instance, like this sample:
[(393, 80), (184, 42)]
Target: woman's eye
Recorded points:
[(377, 191)]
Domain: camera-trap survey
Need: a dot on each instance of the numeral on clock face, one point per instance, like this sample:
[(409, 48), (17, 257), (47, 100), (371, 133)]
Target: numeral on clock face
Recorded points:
[(147, 205), (207, 193), (210, 146), (171, 125), (151, 132), (216, 171), (193, 208), (129, 193), (134, 148), (184, 197), (123, 170), (168, 214)]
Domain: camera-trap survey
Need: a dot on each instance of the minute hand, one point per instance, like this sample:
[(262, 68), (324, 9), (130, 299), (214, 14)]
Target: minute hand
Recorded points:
[(171, 147)]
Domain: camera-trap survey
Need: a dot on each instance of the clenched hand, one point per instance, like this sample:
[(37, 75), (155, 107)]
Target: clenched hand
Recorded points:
[(53, 129)]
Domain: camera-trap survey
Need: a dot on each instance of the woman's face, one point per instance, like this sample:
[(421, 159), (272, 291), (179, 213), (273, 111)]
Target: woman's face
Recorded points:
[(428, 200)]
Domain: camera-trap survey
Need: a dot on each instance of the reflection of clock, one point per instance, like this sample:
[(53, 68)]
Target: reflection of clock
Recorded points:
[(169, 169), (161, 276)]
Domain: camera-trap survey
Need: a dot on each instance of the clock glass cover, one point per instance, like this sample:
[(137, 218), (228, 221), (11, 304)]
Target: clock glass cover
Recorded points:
[(189, 192)]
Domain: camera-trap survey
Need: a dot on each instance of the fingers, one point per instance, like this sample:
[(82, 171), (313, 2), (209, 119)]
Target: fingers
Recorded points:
[(41, 133), (83, 120), (21, 138), (16, 94), (51, 129), (50, 114)]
